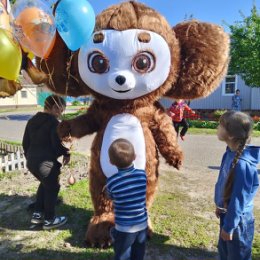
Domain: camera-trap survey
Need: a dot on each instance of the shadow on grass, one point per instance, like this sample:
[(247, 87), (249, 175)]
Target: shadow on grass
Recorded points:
[(14, 216), (158, 249), (153, 252)]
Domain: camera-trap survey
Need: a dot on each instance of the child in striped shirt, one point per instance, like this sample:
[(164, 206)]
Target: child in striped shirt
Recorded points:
[(127, 189)]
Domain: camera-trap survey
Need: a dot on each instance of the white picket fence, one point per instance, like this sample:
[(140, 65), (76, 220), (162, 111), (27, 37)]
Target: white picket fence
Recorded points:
[(11, 157)]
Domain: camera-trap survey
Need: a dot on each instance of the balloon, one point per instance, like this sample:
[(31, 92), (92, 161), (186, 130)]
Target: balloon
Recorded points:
[(51, 2), (11, 56), (34, 27), (21, 5), (29, 54), (75, 21), (4, 18)]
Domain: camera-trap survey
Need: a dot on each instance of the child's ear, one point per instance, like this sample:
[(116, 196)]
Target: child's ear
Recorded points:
[(204, 59)]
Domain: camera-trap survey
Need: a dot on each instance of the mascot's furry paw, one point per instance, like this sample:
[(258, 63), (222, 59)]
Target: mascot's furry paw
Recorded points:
[(98, 233), (64, 131), (176, 159)]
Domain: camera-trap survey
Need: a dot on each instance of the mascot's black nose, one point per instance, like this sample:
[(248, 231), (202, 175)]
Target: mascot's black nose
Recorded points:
[(120, 80)]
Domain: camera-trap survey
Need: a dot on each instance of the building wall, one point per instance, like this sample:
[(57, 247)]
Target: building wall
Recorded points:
[(27, 96), (218, 100), (255, 98)]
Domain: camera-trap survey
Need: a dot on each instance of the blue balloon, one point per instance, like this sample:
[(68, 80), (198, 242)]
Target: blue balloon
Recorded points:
[(75, 21)]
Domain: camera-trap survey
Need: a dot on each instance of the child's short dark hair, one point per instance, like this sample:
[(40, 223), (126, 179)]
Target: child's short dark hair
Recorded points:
[(53, 100), (121, 153)]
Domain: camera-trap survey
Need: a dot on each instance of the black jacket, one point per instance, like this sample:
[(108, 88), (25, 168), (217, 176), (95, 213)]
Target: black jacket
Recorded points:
[(40, 140)]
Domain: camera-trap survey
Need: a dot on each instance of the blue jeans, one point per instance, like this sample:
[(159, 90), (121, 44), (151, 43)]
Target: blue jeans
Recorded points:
[(240, 248), (129, 246)]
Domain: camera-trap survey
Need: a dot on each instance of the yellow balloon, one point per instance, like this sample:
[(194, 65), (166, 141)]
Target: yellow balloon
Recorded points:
[(10, 56), (30, 55)]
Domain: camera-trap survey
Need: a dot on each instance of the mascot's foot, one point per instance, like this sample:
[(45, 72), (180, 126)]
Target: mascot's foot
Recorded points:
[(98, 233)]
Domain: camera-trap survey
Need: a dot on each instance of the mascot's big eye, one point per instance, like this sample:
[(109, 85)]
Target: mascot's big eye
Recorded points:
[(97, 62), (143, 62)]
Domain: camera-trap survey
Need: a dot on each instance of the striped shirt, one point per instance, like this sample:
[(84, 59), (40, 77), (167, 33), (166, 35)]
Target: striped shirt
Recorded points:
[(127, 189)]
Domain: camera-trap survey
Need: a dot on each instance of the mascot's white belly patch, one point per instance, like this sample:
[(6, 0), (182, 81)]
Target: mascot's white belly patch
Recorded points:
[(128, 127)]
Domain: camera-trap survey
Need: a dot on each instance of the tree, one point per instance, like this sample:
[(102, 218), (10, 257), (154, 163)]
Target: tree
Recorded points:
[(245, 49)]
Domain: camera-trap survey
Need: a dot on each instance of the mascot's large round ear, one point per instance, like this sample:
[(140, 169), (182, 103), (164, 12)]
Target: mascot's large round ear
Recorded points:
[(59, 71), (204, 59)]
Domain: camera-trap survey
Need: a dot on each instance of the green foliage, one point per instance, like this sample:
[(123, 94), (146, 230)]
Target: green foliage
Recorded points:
[(203, 124), (219, 113), (257, 126), (72, 115), (76, 103), (245, 48)]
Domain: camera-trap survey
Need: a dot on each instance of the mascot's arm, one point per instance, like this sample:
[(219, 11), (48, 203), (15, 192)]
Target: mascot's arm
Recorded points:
[(80, 126), (165, 138)]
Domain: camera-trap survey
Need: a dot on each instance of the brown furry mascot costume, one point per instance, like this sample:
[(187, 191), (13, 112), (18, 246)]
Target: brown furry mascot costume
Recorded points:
[(133, 59)]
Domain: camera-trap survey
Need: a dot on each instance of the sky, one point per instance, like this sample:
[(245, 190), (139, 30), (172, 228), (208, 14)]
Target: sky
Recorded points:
[(175, 11)]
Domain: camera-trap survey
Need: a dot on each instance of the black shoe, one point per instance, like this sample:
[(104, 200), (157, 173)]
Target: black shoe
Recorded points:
[(56, 222), (37, 218)]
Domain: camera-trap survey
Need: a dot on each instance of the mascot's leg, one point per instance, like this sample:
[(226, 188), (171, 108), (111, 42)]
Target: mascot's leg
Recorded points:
[(98, 232), (152, 182)]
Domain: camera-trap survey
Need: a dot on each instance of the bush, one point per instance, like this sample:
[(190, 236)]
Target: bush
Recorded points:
[(68, 116), (203, 124), (257, 126), (76, 103), (218, 113), (213, 124)]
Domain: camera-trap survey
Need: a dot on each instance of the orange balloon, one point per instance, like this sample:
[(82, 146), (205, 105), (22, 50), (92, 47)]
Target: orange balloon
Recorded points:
[(4, 18), (36, 31)]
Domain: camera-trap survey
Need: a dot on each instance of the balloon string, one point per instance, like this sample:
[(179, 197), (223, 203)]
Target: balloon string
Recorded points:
[(49, 73), (69, 75)]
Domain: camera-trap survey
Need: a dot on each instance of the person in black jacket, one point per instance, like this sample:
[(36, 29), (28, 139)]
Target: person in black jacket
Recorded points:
[(42, 147)]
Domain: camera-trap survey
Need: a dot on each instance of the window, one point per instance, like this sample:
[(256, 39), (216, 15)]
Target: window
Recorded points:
[(229, 85), (24, 94)]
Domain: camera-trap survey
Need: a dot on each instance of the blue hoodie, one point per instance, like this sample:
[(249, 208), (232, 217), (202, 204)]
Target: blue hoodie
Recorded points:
[(245, 185)]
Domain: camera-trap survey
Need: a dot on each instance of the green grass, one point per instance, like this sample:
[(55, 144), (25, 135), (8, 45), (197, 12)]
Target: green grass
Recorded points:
[(77, 206), (10, 142), (8, 175), (176, 223), (202, 131), (181, 227), (256, 244)]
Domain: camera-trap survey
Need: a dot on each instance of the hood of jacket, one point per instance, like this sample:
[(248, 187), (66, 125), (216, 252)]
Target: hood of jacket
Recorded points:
[(251, 154)]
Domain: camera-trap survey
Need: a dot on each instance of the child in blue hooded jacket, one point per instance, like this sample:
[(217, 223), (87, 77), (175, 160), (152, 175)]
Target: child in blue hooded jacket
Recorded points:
[(236, 187)]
